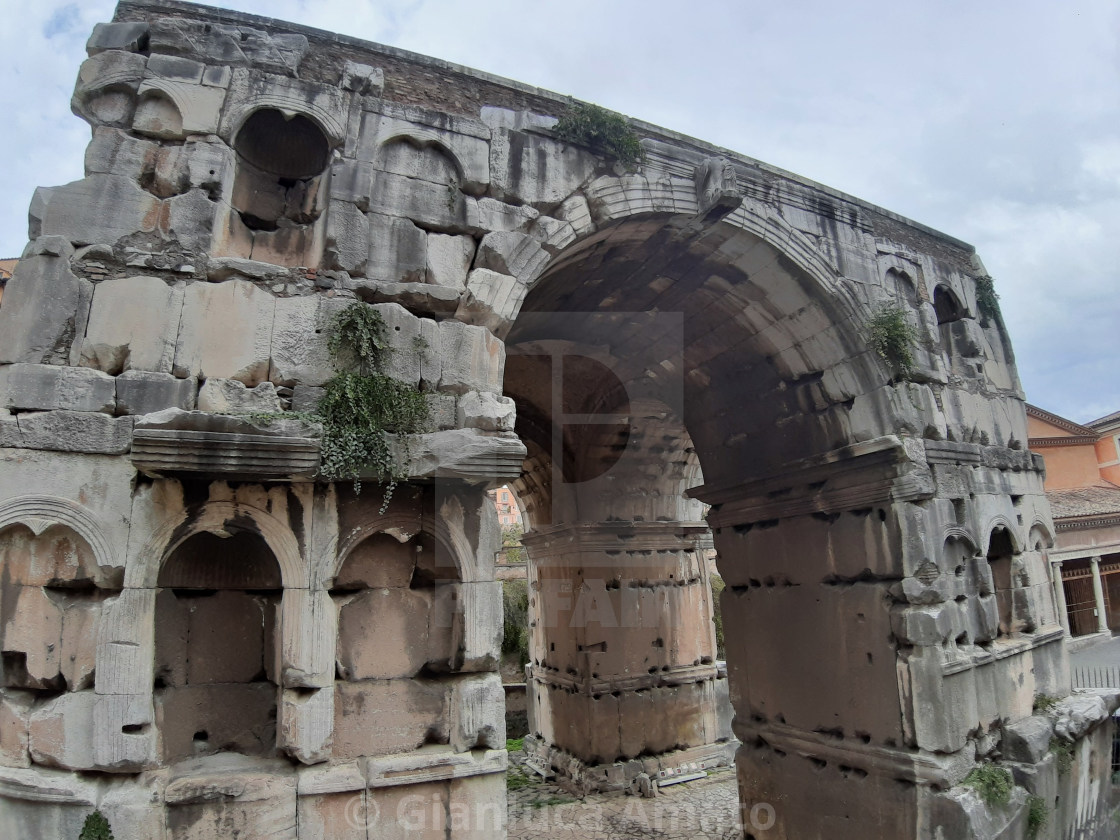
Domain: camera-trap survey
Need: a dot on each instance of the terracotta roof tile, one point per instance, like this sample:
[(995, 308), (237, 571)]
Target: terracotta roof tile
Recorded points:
[(1085, 501)]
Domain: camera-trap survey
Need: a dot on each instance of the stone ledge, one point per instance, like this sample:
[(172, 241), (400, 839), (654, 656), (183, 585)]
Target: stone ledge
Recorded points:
[(923, 768), (428, 764)]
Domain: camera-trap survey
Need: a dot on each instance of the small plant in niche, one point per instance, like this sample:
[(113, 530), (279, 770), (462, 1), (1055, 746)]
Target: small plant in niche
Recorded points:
[(359, 407), (1044, 703), (1063, 754), (893, 337), (993, 783), (96, 827), (601, 131)]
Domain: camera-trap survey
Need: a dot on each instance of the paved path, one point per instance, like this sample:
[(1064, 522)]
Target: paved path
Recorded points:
[(1102, 654), (702, 810)]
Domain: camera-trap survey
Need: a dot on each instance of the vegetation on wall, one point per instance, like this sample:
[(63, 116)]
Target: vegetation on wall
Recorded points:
[(361, 406), (987, 300), (893, 338), (515, 620), (1063, 754), (96, 827), (601, 131), (1037, 815), (512, 549), (993, 783), (717, 614)]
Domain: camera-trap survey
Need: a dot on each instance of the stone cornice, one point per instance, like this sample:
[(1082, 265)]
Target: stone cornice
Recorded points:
[(616, 536), (1060, 422), (676, 675), (879, 471), (923, 768)]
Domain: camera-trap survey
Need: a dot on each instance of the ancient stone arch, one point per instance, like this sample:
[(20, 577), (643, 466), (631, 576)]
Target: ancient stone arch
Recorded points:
[(693, 383)]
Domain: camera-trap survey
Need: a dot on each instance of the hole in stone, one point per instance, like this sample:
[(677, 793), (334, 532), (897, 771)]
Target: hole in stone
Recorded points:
[(201, 735), (134, 728)]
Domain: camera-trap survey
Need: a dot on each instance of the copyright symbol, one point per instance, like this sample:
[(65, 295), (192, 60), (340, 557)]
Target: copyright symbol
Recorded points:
[(361, 811)]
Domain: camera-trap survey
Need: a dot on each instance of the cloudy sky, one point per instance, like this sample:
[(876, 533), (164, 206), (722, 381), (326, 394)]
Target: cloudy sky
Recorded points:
[(997, 122)]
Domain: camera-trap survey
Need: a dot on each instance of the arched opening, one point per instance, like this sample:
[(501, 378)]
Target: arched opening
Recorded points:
[(946, 306), (279, 193), (396, 601), (217, 621), (1000, 561), (53, 592), (647, 354)]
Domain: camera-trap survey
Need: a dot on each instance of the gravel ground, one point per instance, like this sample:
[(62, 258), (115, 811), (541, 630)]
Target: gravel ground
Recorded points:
[(705, 809)]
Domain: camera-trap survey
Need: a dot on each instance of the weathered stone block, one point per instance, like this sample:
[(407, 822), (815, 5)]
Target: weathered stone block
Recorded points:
[(415, 812), (478, 713), (348, 238), (340, 816), (75, 431), (449, 259), (492, 300), (238, 46), (1027, 740), (229, 796), (43, 307), (61, 732), (54, 387), (106, 88), (485, 411), (439, 207), (131, 36), (494, 215), (144, 392), (557, 170), (306, 397), (309, 624), (228, 396), (306, 728), (176, 68), (226, 332), (469, 454), (511, 253), (363, 79), (398, 250), (383, 634), (15, 718), (124, 738), (378, 717), (115, 152), (133, 324), (477, 807), (194, 719), (100, 209), (472, 359)]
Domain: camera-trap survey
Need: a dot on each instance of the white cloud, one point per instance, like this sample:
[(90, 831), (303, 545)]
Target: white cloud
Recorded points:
[(995, 122)]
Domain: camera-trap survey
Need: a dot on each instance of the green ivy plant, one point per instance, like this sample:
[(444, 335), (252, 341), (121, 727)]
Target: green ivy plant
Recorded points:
[(361, 406), (987, 300), (96, 827), (993, 783), (1037, 815), (601, 131), (893, 338)]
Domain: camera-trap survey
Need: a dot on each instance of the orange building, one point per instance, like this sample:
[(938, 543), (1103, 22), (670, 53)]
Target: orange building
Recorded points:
[(1083, 486), (6, 269), (509, 514)]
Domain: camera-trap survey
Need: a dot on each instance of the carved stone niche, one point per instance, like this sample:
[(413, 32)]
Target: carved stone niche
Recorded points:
[(717, 191), (279, 197)]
